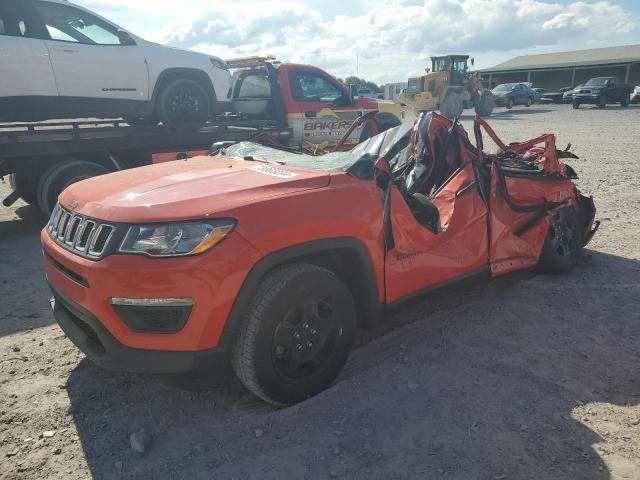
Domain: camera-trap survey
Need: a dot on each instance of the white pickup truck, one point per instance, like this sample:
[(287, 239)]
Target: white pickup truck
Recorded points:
[(59, 60)]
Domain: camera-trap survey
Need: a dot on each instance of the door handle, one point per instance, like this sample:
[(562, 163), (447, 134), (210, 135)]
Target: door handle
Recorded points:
[(310, 114), (66, 50)]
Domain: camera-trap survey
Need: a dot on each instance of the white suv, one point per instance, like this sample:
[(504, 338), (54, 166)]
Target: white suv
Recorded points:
[(58, 60)]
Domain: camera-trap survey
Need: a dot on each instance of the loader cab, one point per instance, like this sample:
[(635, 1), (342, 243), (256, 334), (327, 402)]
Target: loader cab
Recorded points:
[(456, 65)]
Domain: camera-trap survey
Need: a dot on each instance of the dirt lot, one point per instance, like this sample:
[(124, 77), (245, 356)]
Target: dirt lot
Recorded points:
[(530, 377)]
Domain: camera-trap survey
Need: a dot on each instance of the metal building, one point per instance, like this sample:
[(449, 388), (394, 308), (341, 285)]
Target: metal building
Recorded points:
[(564, 69)]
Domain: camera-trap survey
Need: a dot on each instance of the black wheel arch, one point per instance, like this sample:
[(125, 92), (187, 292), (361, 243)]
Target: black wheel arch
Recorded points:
[(194, 74), (347, 257)]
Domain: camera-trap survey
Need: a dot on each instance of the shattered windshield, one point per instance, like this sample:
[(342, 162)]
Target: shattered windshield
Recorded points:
[(381, 145)]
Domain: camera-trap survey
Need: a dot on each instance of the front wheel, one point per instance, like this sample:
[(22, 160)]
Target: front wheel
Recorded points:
[(529, 102), (561, 250), (625, 101), (451, 105), (183, 103), (510, 103), (602, 101), (484, 103), (576, 105), (296, 334)]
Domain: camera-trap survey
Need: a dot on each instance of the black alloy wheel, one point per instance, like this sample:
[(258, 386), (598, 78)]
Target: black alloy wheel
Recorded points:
[(305, 340), (562, 247), (184, 103)]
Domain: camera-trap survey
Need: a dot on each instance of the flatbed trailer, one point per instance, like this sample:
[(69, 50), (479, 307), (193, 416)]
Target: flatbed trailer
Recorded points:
[(41, 159)]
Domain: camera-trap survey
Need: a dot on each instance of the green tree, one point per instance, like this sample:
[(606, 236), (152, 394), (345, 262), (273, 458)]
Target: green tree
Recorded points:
[(362, 83)]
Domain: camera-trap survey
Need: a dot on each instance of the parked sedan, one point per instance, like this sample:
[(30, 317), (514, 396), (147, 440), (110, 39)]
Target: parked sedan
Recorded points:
[(510, 94), (554, 96)]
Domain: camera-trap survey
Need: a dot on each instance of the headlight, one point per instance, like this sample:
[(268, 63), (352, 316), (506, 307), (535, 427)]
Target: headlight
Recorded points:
[(176, 239)]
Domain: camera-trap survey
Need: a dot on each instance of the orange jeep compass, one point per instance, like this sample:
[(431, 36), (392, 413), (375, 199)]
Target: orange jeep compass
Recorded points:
[(274, 258)]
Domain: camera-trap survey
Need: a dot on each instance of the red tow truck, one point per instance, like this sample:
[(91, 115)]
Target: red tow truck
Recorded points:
[(300, 106)]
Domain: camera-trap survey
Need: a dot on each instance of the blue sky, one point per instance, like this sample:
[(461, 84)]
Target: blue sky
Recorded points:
[(391, 38)]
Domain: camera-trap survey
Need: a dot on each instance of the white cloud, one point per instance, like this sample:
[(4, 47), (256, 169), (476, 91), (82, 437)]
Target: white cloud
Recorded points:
[(393, 38)]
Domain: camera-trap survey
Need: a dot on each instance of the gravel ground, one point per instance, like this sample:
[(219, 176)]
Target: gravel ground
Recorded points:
[(528, 377)]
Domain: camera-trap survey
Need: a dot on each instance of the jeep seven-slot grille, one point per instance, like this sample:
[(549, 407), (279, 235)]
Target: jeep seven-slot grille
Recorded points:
[(79, 234)]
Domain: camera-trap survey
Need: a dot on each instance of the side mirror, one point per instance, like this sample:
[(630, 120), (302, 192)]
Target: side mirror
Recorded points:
[(473, 61), (353, 92), (125, 38)]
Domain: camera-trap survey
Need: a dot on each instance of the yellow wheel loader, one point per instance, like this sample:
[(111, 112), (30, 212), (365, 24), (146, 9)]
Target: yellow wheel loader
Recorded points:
[(448, 87)]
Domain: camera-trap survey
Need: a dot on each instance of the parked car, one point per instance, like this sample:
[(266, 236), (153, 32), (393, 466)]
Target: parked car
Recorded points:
[(510, 94), (601, 91), (59, 60), (567, 97), (554, 96), (635, 95), (273, 258), (538, 93), (367, 93)]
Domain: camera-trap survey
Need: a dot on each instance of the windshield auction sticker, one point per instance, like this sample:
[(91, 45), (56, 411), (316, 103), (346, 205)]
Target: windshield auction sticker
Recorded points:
[(273, 171)]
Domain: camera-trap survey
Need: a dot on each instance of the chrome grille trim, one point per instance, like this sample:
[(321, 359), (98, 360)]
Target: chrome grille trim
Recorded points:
[(69, 230)]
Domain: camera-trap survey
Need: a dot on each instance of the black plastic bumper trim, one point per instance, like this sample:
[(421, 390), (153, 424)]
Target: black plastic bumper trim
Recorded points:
[(95, 341)]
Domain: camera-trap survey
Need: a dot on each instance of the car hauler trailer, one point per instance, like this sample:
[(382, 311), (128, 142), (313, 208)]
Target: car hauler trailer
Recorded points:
[(300, 106)]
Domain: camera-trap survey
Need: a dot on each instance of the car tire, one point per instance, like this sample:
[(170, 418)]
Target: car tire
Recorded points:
[(510, 103), (451, 105), (529, 102), (183, 103), (624, 102), (60, 176), (576, 105), (563, 244), (274, 354), (26, 184), (602, 101), (485, 103)]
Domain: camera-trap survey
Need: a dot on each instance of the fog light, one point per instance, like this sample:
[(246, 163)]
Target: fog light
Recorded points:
[(153, 315)]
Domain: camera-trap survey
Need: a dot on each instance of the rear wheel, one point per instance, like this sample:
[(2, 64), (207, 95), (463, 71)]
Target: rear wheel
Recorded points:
[(624, 102), (484, 103), (60, 176), (296, 334), (561, 250), (183, 103), (529, 102)]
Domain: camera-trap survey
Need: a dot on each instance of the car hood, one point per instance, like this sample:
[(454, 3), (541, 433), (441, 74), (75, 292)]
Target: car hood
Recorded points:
[(181, 190)]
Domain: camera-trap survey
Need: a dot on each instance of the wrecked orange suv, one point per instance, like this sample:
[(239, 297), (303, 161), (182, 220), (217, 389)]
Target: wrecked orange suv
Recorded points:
[(274, 258)]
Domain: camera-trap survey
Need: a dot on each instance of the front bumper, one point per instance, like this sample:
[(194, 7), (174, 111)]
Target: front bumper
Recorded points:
[(211, 280), (501, 101), (591, 98), (95, 341)]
